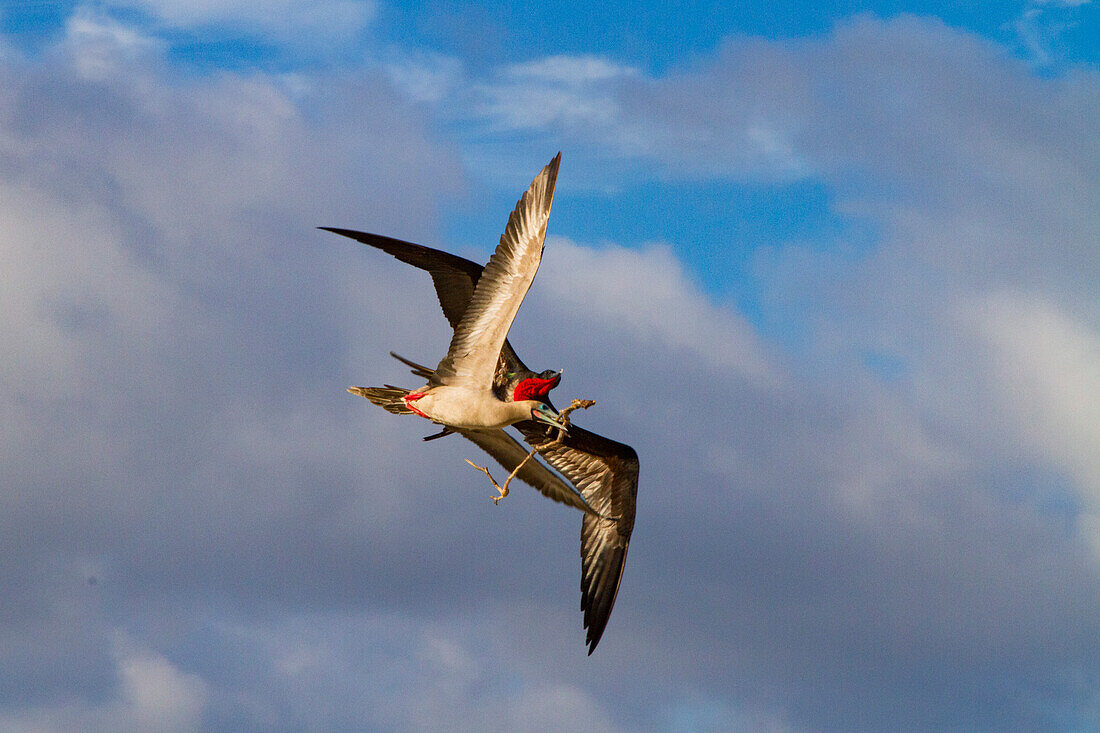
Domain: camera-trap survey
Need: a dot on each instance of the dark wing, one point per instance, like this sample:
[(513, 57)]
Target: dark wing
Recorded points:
[(454, 278), (508, 452), (606, 474)]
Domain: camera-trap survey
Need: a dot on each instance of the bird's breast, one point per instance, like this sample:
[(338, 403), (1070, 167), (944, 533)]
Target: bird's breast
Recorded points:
[(461, 407)]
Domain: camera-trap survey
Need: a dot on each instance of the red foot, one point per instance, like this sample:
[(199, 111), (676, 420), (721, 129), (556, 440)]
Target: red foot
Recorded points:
[(411, 398)]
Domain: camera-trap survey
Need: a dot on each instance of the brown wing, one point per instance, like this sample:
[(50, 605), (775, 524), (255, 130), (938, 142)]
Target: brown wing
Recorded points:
[(509, 453), (606, 474), (454, 278)]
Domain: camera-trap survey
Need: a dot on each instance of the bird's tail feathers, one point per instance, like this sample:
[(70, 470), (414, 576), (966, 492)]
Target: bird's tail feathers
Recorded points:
[(418, 369), (389, 398)]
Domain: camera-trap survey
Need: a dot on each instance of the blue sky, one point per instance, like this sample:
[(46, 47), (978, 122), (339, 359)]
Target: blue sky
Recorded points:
[(831, 271)]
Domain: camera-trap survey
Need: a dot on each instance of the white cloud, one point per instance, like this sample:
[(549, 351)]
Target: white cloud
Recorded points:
[(425, 77), (811, 108), (392, 672), (99, 45), (174, 418), (976, 174), (972, 170), (156, 695), (152, 694), (686, 121), (571, 71), (1039, 26), (1043, 370), (160, 265), (302, 24), (647, 295), (568, 91)]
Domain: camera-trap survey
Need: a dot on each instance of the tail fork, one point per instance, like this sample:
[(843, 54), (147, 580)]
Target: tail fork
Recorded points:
[(389, 398)]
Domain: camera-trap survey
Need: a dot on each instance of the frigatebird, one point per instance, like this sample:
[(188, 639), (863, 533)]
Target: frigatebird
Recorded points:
[(601, 474)]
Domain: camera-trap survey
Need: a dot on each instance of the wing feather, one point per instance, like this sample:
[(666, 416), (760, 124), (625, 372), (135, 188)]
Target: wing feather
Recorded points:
[(509, 453), (475, 347), (454, 279), (606, 474)]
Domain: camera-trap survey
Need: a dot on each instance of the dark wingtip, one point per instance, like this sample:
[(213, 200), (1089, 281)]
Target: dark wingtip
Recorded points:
[(593, 639)]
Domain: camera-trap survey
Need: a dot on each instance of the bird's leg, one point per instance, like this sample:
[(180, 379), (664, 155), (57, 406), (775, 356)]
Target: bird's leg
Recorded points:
[(503, 490)]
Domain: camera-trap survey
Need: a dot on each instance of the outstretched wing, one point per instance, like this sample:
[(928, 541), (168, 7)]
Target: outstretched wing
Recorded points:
[(454, 278), (509, 453), (606, 474), (475, 347)]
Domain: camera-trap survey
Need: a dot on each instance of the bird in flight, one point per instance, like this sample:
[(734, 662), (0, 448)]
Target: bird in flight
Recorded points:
[(481, 386)]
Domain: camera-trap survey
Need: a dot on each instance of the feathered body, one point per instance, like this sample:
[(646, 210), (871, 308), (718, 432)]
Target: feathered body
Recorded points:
[(602, 474)]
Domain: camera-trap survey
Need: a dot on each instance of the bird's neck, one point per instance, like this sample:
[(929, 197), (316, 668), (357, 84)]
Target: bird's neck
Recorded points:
[(521, 410)]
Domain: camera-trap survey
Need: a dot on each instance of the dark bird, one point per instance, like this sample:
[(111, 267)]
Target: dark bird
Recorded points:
[(480, 304)]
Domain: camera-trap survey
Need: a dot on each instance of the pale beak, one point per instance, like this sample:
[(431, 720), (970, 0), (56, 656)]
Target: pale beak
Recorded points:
[(544, 413)]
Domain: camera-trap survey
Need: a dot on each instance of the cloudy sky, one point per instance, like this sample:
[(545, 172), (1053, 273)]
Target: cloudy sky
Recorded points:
[(832, 272)]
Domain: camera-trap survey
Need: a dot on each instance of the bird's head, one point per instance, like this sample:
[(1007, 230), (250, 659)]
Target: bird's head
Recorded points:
[(536, 387)]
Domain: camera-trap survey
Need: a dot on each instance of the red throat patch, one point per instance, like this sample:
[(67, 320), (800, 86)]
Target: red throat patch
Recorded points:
[(534, 388)]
